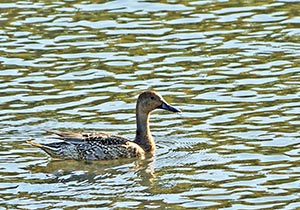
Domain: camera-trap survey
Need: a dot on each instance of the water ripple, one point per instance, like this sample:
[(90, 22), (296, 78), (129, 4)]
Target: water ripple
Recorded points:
[(233, 68)]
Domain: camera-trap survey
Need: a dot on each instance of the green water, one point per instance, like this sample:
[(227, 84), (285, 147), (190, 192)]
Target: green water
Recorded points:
[(233, 67)]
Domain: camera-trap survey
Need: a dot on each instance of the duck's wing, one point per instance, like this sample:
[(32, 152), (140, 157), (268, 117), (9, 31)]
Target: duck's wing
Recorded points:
[(90, 151), (90, 146), (99, 138)]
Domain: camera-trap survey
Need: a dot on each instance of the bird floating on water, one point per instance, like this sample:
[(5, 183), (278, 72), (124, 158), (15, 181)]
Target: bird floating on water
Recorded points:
[(105, 146)]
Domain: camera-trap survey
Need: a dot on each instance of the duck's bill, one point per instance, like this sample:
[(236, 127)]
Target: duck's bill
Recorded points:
[(168, 107)]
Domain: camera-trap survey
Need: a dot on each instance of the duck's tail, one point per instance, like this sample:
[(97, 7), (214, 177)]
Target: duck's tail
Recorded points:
[(52, 149), (34, 144), (62, 150)]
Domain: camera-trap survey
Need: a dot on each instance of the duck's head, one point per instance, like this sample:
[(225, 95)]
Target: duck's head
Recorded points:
[(150, 100)]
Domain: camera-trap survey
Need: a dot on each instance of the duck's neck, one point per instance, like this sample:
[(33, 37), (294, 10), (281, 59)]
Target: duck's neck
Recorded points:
[(143, 135)]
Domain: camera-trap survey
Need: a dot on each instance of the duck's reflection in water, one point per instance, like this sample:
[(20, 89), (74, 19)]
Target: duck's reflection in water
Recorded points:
[(106, 171)]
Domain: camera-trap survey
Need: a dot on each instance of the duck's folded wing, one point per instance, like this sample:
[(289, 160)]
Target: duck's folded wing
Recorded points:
[(90, 146), (90, 150), (97, 138)]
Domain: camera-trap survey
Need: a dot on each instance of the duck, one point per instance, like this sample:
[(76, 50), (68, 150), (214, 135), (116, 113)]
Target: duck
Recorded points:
[(106, 146)]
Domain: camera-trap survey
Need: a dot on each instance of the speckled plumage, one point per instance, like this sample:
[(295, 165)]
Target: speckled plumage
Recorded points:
[(91, 146), (105, 146)]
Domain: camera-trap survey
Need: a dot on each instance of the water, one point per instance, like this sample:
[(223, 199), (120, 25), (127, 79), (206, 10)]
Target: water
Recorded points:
[(232, 67)]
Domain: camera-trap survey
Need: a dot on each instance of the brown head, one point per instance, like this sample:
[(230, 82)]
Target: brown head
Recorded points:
[(147, 102), (150, 100)]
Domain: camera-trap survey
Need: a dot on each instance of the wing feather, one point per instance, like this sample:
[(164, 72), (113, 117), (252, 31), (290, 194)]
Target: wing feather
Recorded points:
[(98, 138)]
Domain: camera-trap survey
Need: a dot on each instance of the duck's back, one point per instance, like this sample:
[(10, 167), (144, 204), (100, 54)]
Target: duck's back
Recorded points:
[(91, 146)]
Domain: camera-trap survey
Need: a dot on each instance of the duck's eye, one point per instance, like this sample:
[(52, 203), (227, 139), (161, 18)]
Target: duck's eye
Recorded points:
[(152, 98)]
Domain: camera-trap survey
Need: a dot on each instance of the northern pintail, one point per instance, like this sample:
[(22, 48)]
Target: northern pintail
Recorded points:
[(105, 146)]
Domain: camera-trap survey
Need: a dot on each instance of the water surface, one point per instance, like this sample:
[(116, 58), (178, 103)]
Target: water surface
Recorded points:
[(232, 67)]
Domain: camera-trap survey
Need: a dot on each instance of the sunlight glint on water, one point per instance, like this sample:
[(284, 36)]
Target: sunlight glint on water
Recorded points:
[(233, 68)]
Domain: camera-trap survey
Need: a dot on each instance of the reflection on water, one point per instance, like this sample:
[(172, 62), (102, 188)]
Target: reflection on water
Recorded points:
[(232, 67)]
